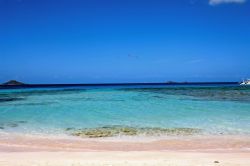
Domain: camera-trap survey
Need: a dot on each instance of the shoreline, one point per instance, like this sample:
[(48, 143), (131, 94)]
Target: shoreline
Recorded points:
[(21, 150)]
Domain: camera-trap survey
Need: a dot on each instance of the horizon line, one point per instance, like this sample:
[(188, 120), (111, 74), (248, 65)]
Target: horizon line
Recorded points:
[(128, 83)]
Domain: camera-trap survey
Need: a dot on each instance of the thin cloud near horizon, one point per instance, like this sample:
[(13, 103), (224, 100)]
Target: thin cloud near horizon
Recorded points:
[(218, 2)]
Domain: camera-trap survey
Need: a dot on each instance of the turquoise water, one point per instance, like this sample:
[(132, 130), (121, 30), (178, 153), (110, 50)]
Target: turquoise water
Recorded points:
[(214, 110)]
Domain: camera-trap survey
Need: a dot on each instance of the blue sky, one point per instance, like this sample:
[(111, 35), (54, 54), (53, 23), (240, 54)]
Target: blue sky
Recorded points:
[(100, 41)]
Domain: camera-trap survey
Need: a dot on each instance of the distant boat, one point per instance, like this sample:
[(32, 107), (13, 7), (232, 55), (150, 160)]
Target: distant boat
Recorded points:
[(245, 82)]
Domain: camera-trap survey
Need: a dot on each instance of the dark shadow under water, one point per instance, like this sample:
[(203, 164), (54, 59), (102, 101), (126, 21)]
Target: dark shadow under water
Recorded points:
[(235, 93)]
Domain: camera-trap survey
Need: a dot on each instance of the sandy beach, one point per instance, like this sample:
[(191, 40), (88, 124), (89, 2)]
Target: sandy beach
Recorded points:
[(40, 151), (153, 158)]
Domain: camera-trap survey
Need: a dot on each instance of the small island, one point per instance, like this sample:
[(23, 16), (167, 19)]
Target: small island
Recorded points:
[(13, 82)]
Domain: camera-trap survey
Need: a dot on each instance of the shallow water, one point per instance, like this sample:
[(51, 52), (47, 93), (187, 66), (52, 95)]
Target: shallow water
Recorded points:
[(143, 110)]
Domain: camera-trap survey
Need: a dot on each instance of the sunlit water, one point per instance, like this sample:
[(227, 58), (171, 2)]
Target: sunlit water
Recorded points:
[(214, 110)]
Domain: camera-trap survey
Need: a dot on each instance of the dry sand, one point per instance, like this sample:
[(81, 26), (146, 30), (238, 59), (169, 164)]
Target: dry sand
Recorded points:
[(35, 151), (118, 158)]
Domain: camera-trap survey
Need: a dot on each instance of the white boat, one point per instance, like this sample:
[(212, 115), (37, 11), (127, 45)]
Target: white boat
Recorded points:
[(245, 82)]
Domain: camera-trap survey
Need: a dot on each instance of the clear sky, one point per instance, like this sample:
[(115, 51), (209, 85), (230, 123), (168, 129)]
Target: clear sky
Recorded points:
[(100, 41)]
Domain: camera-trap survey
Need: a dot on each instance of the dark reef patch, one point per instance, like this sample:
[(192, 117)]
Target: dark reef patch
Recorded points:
[(12, 124), (21, 121), (227, 93), (23, 94), (69, 128), (34, 104), (111, 131), (9, 99)]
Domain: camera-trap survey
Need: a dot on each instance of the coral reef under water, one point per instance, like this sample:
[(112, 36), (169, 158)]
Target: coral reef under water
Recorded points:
[(111, 131)]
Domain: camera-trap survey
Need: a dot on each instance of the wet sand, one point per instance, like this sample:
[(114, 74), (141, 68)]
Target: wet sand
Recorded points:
[(17, 143)]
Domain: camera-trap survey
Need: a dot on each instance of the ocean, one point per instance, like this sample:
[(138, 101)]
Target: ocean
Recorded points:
[(126, 111)]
